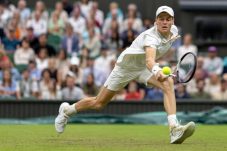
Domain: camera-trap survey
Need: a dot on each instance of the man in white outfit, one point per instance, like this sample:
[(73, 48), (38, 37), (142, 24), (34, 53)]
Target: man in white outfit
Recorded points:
[(138, 62)]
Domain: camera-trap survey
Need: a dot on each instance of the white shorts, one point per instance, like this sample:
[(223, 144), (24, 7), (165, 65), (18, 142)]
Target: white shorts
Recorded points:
[(120, 77)]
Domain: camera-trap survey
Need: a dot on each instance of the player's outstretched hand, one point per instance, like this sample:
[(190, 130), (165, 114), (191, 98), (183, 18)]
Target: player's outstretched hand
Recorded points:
[(161, 77)]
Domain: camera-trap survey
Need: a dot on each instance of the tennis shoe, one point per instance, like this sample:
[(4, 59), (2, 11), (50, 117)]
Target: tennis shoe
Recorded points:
[(62, 119), (179, 133)]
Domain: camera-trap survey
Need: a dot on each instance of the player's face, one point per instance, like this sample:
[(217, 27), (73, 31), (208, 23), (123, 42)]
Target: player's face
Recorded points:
[(164, 22)]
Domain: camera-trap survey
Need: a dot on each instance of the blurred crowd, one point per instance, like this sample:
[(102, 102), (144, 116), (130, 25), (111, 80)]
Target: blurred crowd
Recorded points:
[(67, 52)]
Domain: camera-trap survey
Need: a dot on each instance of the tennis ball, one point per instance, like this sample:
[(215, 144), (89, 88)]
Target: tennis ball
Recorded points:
[(166, 70)]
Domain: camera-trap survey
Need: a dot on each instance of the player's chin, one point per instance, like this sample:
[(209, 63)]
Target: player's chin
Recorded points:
[(165, 31)]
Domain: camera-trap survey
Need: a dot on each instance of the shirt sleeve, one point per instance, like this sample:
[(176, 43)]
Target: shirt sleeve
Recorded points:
[(150, 41)]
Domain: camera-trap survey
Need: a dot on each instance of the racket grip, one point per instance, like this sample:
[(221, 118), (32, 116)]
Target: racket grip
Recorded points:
[(172, 75)]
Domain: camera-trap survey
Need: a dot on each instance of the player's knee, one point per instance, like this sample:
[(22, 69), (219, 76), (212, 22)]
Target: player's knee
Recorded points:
[(98, 105)]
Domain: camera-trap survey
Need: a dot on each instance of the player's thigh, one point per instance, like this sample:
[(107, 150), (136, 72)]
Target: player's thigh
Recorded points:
[(166, 85), (119, 78)]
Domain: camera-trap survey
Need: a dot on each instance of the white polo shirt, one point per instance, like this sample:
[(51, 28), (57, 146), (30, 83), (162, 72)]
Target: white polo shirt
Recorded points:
[(78, 24), (134, 56)]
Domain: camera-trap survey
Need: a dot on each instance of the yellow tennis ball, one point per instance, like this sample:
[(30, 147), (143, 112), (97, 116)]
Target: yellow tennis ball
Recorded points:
[(166, 70)]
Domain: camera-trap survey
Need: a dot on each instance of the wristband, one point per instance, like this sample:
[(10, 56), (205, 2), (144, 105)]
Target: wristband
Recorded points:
[(155, 69)]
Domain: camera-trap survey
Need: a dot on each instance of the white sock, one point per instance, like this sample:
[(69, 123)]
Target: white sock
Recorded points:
[(172, 120), (71, 109)]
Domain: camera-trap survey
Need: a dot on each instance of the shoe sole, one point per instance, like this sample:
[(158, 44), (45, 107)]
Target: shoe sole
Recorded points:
[(187, 133)]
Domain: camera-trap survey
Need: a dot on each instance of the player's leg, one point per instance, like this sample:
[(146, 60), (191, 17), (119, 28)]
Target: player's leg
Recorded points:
[(116, 81), (169, 96), (168, 90), (96, 103), (178, 133)]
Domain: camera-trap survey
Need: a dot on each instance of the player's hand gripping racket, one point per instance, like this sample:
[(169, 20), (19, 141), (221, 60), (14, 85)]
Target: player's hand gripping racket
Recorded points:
[(185, 69)]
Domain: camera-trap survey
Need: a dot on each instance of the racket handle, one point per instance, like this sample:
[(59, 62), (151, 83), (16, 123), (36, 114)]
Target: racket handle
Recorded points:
[(172, 75)]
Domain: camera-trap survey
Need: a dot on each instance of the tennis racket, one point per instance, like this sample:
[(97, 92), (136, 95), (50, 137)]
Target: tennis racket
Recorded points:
[(185, 68)]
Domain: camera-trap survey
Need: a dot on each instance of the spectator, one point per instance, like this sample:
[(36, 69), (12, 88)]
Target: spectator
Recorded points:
[(6, 64), (110, 27), (42, 43), (67, 6), (70, 41), (8, 87), (60, 81), (28, 86), (222, 93), (52, 93), (213, 63), (90, 24), (90, 89), (191, 87), (10, 42), (84, 56), (25, 12), (187, 46), (24, 53), (85, 6), (181, 92), (38, 24), (110, 22), (42, 59), (201, 94), (128, 35), (213, 84), (154, 94), (53, 68), (60, 10), (5, 15), (72, 92), (62, 62), (45, 83), (35, 73), (133, 93), (120, 95), (102, 66), (147, 24), (114, 9), (77, 21), (112, 38), (88, 69), (3, 57), (133, 17), (56, 25), (93, 44), (96, 14), (29, 34), (76, 70), (16, 24), (225, 65), (40, 7)]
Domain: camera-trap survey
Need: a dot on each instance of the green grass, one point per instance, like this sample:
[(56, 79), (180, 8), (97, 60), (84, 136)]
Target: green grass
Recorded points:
[(108, 138)]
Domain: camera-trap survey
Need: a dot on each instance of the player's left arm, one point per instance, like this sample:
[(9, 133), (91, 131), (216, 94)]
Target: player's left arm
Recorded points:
[(151, 63), (150, 57)]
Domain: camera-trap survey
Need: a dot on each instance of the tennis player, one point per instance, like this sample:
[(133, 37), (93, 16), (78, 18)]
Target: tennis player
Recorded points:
[(138, 62)]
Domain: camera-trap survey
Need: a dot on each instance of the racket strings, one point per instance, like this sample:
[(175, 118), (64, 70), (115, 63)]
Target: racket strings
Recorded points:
[(186, 68)]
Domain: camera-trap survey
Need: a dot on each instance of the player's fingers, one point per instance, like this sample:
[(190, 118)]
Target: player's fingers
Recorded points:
[(157, 76)]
